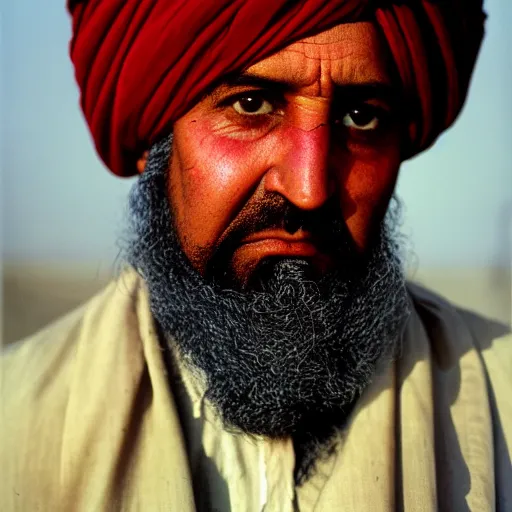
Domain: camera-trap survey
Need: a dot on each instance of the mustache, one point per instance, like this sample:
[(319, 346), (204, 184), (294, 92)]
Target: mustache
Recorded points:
[(325, 225)]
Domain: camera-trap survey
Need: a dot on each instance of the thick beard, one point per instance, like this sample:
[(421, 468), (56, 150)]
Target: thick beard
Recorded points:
[(287, 361)]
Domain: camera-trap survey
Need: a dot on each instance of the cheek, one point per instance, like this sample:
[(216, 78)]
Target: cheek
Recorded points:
[(211, 178), (366, 191)]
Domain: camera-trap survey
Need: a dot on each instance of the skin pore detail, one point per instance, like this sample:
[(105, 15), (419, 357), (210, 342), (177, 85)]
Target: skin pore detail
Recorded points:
[(261, 231), (290, 355), (317, 122)]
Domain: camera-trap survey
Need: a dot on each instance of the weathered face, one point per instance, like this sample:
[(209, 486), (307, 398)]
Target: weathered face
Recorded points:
[(278, 182), (315, 123)]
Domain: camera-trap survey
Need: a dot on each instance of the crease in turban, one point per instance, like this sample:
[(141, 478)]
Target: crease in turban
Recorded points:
[(142, 64)]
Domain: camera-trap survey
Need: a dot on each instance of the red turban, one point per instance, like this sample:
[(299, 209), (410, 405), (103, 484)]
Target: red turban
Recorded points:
[(141, 64)]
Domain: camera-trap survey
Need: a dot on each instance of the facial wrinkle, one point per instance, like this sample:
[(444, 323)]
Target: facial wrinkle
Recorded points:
[(281, 361)]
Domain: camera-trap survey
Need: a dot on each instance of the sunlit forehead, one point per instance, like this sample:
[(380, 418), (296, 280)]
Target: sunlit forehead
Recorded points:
[(348, 54)]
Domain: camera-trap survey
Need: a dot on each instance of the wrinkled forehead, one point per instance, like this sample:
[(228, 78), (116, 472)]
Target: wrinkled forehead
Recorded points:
[(140, 64), (348, 53)]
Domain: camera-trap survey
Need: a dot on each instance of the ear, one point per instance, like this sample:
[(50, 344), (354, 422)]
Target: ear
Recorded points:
[(141, 162)]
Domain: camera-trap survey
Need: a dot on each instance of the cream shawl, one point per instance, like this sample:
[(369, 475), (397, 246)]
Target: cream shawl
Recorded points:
[(91, 421)]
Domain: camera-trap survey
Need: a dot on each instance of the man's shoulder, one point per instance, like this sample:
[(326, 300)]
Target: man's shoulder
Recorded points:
[(454, 333), (35, 379), (455, 328), (37, 372), (47, 379), (450, 323), (45, 357)]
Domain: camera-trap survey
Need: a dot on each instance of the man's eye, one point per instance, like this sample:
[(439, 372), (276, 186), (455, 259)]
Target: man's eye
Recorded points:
[(253, 105), (364, 118)]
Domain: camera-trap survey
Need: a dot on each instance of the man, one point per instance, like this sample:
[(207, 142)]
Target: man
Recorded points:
[(262, 350)]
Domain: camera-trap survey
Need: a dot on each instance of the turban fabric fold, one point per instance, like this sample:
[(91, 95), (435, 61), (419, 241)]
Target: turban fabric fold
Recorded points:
[(142, 64)]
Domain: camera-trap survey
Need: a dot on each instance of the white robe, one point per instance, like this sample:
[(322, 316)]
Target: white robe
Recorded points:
[(91, 421)]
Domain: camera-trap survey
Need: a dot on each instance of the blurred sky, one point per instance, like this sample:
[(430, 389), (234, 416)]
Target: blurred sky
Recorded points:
[(61, 205)]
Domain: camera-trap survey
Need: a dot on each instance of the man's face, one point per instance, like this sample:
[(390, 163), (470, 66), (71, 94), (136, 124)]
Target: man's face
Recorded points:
[(259, 231), (316, 123)]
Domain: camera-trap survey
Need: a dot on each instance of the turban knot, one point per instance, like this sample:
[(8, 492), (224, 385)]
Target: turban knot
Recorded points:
[(142, 64)]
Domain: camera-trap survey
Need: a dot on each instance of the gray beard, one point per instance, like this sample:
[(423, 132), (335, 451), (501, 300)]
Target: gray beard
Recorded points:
[(290, 359)]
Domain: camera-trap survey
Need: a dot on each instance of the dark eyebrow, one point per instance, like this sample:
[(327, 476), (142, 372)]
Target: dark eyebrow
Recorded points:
[(364, 90), (246, 79), (368, 90), (343, 93)]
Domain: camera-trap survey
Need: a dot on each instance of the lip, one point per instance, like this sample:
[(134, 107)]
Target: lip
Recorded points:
[(279, 236), (279, 243), (277, 247)]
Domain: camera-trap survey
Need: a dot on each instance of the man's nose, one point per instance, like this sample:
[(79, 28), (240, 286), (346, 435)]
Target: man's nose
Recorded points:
[(301, 168)]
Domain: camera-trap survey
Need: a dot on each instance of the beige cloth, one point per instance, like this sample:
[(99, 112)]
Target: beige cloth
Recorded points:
[(91, 421)]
